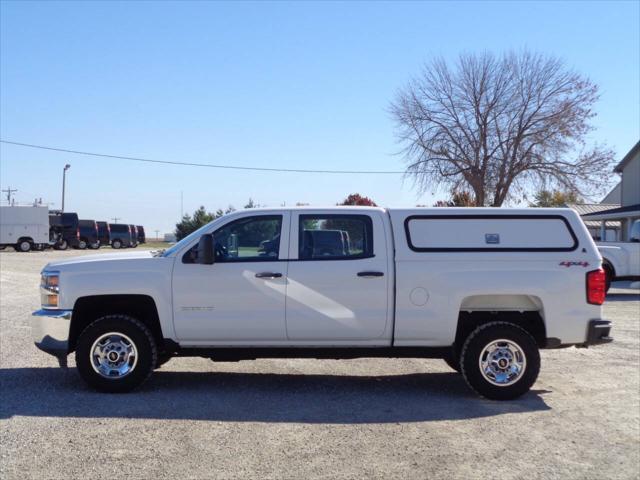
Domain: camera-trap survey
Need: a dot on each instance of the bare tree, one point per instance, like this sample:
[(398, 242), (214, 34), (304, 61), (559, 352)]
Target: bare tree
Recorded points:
[(501, 126)]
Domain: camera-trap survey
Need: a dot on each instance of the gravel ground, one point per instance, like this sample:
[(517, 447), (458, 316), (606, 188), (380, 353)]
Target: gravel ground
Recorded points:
[(298, 419)]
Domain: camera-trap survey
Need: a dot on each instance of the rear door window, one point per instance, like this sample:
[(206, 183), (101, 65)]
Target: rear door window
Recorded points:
[(335, 237)]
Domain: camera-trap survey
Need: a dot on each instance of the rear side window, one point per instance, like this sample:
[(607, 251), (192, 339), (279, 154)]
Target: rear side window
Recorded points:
[(335, 237), (501, 233), (115, 228)]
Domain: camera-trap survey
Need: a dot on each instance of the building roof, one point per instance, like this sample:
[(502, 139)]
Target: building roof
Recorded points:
[(627, 158), (587, 208), (625, 211), (583, 209), (615, 214)]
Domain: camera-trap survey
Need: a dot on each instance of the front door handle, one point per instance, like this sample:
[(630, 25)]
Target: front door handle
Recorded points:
[(268, 275), (370, 274)]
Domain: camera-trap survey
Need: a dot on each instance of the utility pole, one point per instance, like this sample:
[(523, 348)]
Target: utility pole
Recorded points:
[(64, 177), (157, 232), (115, 219), (9, 191)]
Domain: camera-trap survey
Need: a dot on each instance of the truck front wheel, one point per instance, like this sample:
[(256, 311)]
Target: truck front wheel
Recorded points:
[(500, 361), (116, 353)]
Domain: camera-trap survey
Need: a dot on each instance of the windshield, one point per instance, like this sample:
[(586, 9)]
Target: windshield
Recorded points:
[(185, 241)]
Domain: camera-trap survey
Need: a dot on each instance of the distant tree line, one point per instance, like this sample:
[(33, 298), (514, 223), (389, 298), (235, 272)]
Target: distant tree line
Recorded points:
[(199, 218)]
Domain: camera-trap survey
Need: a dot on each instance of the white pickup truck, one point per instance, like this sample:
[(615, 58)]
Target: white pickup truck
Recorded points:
[(484, 289), (621, 260)]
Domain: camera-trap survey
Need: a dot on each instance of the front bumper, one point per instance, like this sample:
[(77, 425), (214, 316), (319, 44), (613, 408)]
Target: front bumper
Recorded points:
[(50, 331), (598, 332)]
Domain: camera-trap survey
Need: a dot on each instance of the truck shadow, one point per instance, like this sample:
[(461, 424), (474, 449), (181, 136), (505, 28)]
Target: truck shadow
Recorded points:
[(256, 397)]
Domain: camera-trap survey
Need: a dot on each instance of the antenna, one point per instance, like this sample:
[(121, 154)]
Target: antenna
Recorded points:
[(115, 219)]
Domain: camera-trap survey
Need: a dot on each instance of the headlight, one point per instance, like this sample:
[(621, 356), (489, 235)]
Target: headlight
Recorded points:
[(49, 289)]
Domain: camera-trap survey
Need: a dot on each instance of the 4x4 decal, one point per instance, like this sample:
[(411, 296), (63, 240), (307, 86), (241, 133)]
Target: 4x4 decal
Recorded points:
[(571, 264)]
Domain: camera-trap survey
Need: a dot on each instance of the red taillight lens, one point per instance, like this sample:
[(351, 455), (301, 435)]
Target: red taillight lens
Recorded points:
[(78, 233), (596, 287)]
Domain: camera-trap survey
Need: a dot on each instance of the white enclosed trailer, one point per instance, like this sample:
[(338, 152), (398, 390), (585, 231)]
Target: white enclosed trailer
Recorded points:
[(24, 227)]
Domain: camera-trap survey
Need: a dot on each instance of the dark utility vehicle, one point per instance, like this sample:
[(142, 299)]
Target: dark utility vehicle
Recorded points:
[(134, 236), (120, 235), (88, 235), (103, 233), (64, 229), (142, 238)]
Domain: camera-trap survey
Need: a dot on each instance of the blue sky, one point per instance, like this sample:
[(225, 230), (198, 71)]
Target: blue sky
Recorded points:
[(292, 85)]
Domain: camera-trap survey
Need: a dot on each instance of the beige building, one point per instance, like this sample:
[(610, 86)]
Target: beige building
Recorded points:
[(626, 194), (629, 168)]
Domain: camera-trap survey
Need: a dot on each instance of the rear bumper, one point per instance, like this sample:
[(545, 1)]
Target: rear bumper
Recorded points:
[(50, 331), (598, 332)]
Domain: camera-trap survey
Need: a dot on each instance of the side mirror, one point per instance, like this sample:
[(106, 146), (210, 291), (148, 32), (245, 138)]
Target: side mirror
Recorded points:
[(205, 250)]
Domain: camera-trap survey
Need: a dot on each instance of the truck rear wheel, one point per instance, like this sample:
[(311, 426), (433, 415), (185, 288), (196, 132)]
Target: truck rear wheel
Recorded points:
[(116, 353), (23, 245), (608, 276), (500, 361), (116, 244), (82, 244)]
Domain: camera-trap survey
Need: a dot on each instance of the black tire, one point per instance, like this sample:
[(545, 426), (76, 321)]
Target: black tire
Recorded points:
[(23, 245), (82, 244), (608, 277), (452, 362), (94, 246), (141, 338), (472, 351), (62, 245), (116, 244)]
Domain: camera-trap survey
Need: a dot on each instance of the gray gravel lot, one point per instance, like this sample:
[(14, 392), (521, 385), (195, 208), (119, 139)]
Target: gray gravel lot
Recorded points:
[(314, 418)]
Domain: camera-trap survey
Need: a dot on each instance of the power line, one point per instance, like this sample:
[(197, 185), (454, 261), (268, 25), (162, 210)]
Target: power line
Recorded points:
[(208, 165)]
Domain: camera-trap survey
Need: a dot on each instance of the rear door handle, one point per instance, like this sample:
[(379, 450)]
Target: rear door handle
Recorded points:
[(268, 275), (370, 274)]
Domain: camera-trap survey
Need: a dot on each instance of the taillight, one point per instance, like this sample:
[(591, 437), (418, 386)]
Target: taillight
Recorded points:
[(78, 233), (596, 287)]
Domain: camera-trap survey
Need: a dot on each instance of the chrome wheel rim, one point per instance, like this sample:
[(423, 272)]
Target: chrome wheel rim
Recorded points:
[(25, 246), (113, 355), (502, 362)]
